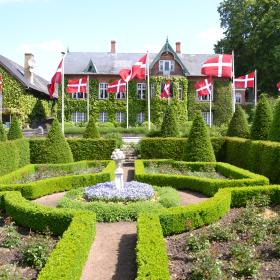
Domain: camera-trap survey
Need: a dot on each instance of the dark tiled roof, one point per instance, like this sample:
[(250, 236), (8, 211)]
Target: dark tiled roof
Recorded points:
[(108, 63), (40, 84)]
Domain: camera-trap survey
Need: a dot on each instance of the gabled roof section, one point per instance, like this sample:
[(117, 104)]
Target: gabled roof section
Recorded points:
[(168, 49), (91, 68), (17, 71)]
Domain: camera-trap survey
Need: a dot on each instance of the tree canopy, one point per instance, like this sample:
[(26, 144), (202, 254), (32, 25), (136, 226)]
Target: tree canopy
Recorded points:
[(252, 30)]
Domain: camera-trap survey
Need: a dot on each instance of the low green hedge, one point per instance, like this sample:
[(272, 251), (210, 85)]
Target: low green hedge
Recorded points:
[(152, 261), (13, 155), (46, 186), (68, 258), (82, 149), (172, 148), (206, 186)]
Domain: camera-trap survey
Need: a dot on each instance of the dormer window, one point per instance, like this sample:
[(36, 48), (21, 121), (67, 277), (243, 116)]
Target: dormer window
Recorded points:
[(166, 66)]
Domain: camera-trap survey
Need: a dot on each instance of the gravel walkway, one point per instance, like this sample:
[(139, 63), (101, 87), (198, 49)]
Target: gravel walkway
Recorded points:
[(190, 197), (50, 200)]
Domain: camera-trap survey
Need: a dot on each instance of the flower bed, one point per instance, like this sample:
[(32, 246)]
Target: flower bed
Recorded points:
[(132, 191)]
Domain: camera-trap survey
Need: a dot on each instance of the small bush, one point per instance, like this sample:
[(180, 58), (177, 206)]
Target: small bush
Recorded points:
[(91, 130), (3, 136), (15, 129), (220, 233), (9, 237), (10, 271), (276, 243), (169, 127), (197, 243), (274, 132), (238, 126), (199, 147)]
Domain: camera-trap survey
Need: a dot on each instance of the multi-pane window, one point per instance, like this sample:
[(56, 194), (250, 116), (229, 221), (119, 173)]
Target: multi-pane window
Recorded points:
[(119, 117), (78, 117), (180, 91), (238, 97), (140, 117), (205, 97), (166, 66), (79, 95), (103, 117), (152, 89), (141, 90), (120, 95), (206, 117), (103, 94)]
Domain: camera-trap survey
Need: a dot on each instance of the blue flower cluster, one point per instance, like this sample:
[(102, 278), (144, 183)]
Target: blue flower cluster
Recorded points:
[(131, 191)]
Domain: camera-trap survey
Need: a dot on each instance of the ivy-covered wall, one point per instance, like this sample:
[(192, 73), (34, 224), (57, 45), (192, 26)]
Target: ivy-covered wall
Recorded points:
[(221, 105), (20, 101), (112, 105)]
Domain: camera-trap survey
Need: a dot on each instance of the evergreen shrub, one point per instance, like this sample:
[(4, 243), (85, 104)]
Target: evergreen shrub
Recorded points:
[(274, 132), (3, 135), (169, 126), (15, 129), (91, 129)]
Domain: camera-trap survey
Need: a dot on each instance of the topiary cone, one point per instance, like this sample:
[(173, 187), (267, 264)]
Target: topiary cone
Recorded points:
[(91, 129), (169, 126), (15, 129), (57, 149), (199, 147), (238, 126), (274, 132)]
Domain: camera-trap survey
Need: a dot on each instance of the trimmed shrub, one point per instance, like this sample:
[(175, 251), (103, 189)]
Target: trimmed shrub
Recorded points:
[(262, 120), (91, 129), (274, 132), (56, 148), (238, 125), (15, 129), (3, 136), (199, 146), (169, 126)]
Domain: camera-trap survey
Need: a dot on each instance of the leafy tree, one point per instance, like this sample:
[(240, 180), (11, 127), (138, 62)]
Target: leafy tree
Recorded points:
[(274, 132), (262, 120), (38, 114), (15, 129), (238, 126), (3, 136), (199, 147), (91, 129), (57, 149), (252, 30), (169, 126)]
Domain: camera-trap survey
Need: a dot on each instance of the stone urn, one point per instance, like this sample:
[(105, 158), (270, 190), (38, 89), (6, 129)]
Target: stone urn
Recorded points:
[(118, 156)]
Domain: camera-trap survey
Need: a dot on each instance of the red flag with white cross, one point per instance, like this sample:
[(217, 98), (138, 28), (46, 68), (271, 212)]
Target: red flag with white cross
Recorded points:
[(218, 66), (79, 85), (204, 87), (117, 86), (166, 90), (246, 81), (56, 79), (278, 86)]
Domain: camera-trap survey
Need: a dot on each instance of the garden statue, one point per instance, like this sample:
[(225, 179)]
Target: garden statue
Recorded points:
[(118, 156)]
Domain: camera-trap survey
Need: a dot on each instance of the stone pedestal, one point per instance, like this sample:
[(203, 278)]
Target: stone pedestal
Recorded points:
[(118, 156)]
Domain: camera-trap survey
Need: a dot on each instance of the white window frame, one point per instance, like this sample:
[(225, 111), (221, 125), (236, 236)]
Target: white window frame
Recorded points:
[(171, 66), (79, 95), (238, 97), (120, 96), (140, 117), (120, 118), (78, 117), (103, 117), (141, 91), (204, 98), (103, 93), (152, 89), (206, 117)]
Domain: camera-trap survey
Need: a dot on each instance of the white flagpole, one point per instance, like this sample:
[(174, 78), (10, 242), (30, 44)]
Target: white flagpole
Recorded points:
[(148, 92), (88, 98), (255, 87), (127, 104), (62, 93), (210, 105), (233, 84)]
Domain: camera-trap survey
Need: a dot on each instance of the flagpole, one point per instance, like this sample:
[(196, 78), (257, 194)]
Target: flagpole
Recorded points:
[(88, 98), (148, 84), (255, 87), (62, 92), (127, 104), (210, 105), (233, 84)]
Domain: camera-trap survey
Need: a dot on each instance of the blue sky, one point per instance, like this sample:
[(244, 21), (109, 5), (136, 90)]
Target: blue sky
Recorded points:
[(47, 27)]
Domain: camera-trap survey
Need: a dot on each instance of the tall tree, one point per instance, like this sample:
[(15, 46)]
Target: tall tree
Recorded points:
[(252, 30)]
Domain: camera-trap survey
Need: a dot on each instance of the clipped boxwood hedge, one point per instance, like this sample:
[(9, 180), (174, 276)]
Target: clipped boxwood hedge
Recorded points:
[(206, 186), (82, 149), (13, 155), (46, 186)]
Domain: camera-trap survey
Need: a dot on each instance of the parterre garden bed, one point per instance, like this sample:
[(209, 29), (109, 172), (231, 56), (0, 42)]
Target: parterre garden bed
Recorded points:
[(244, 244)]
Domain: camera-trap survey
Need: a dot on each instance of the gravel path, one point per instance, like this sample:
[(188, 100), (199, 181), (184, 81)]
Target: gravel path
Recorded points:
[(190, 197), (50, 200)]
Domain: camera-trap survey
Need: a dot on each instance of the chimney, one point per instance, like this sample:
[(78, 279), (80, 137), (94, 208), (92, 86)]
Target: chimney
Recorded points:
[(29, 64), (113, 46), (178, 47)]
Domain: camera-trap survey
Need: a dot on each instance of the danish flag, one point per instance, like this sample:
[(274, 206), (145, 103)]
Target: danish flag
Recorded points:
[(117, 86), (166, 91), (246, 81), (1, 84), (204, 87), (218, 66), (79, 85), (138, 70), (278, 86), (56, 79)]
